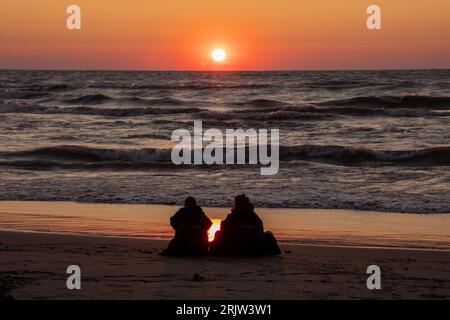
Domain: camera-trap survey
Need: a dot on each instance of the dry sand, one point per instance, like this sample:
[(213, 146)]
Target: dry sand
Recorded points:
[(33, 266)]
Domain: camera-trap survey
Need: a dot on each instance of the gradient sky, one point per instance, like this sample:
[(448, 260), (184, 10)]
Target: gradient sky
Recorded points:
[(257, 34)]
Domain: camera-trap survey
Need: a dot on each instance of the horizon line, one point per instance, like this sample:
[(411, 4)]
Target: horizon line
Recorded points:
[(225, 71)]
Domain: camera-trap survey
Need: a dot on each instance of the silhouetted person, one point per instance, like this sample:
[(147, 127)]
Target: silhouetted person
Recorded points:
[(191, 231), (242, 233)]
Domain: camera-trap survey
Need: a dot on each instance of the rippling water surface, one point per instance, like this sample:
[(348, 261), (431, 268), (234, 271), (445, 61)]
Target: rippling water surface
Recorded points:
[(357, 140)]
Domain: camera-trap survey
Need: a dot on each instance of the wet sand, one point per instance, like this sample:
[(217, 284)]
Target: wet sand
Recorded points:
[(299, 226)]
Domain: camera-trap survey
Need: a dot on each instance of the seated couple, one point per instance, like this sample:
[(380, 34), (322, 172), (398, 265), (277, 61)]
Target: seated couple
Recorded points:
[(241, 233)]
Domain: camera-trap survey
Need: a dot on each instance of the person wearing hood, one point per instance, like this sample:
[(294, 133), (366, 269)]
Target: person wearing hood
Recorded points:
[(242, 233), (191, 231)]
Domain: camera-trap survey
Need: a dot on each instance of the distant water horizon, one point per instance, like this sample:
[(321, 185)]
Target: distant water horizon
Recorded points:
[(225, 71), (365, 140)]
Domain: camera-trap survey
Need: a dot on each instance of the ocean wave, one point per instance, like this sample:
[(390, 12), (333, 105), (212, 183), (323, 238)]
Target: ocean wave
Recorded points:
[(261, 103), (335, 85), (22, 95), (192, 86), (89, 154), (262, 115), (311, 112), (89, 99), (406, 101), (48, 165), (132, 100), (367, 111), (47, 88), (346, 155), (198, 86), (74, 156), (107, 112), (57, 87), (168, 101), (33, 91)]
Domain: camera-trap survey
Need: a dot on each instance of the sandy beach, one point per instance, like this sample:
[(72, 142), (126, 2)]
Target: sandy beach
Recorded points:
[(325, 255), (33, 266)]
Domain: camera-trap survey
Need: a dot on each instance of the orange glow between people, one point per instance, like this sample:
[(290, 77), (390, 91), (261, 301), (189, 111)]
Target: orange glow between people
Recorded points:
[(214, 228)]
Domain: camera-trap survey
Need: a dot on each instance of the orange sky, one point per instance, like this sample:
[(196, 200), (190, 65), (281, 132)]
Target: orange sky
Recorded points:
[(257, 34)]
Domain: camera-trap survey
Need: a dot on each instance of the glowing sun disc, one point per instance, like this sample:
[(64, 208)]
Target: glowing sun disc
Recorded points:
[(219, 55)]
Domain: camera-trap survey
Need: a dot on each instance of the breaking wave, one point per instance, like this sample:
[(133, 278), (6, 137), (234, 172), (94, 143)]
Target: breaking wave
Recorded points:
[(346, 155), (88, 154), (73, 156)]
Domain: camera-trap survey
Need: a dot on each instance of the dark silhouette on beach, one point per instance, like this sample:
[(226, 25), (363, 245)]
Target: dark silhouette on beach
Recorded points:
[(191, 231), (242, 233)]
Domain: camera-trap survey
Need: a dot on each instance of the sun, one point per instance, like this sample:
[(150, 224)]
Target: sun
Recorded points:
[(219, 55)]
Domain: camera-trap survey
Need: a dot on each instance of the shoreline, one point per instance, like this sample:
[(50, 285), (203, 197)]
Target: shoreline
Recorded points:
[(226, 208), (343, 228), (275, 207), (166, 241)]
